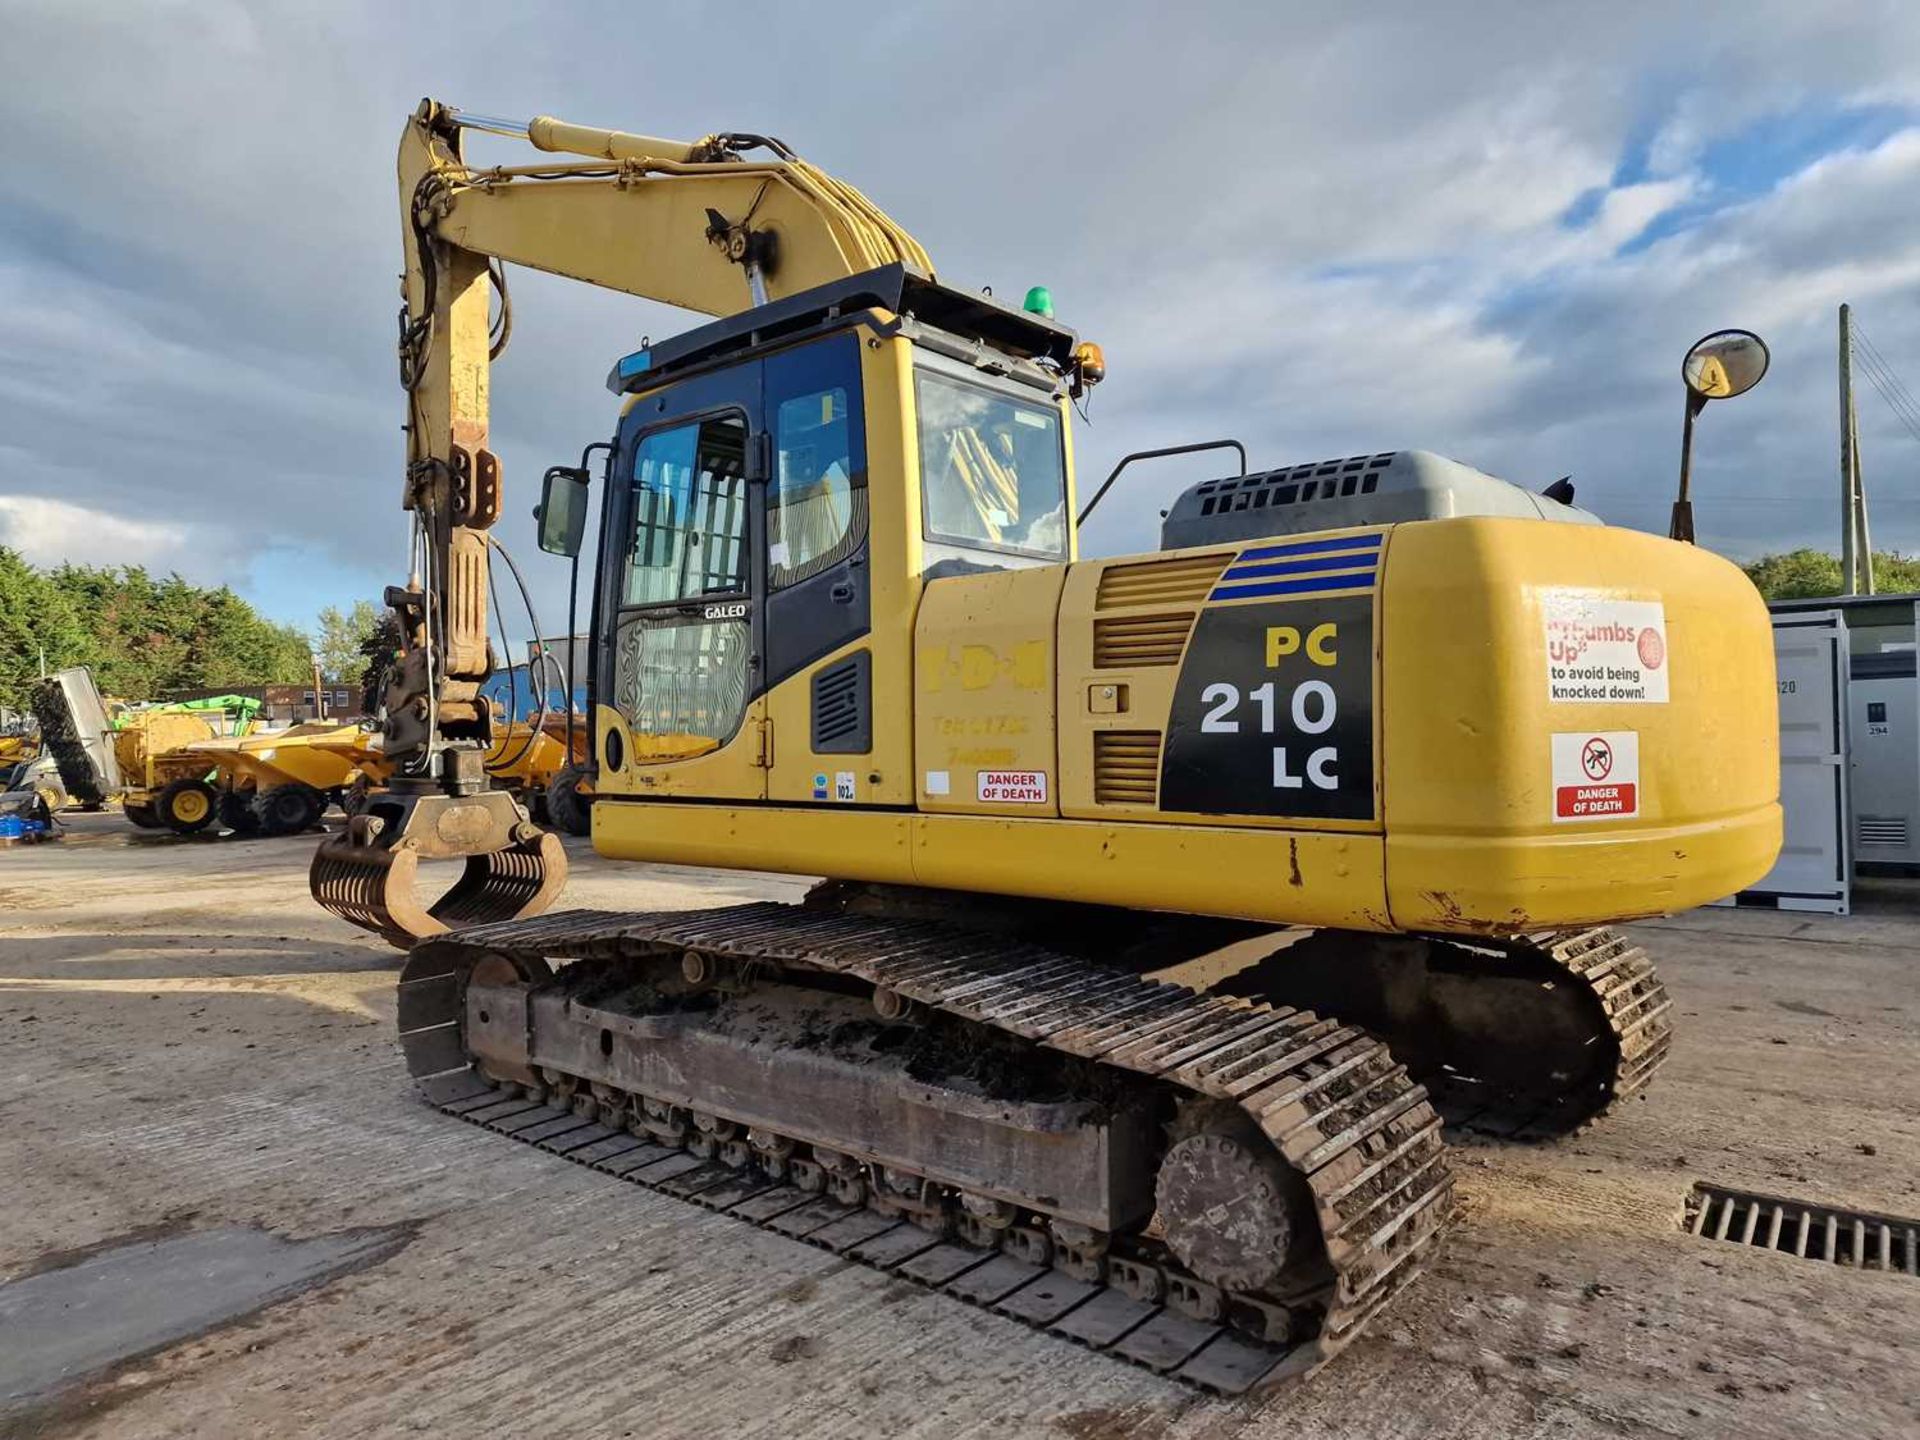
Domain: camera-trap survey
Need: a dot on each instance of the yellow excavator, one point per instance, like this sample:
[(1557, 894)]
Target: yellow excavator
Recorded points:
[(1173, 902)]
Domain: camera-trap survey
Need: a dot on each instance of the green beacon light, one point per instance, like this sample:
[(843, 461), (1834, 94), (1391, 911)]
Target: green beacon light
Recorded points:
[(1039, 301)]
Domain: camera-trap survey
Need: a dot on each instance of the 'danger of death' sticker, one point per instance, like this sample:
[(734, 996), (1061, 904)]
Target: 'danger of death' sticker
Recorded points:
[(1596, 775)]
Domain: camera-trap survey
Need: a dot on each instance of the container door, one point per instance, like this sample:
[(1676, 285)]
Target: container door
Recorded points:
[(1884, 737), (1810, 656)]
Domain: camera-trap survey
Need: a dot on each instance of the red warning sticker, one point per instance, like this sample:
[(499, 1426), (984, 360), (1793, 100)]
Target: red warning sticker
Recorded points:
[(1013, 787), (1603, 649), (1596, 775)]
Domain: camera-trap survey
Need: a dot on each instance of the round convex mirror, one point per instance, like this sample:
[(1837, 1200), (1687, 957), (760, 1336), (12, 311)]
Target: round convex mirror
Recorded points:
[(1724, 364)]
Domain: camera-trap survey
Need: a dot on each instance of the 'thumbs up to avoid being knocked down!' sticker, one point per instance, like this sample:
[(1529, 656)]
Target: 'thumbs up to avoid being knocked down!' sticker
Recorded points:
[(1596, 775), (1600, 649)]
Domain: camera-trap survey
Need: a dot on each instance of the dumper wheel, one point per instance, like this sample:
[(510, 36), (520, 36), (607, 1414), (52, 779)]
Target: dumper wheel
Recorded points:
[(143, 816), (186, 807), (568, 810), (237, 813), (289, 809)]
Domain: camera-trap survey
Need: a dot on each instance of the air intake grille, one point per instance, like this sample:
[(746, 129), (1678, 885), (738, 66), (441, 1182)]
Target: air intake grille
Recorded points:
[(1126, 767), (1124, 641), (1878, 830), (1329, 480), (1855, 1238), (843, 707), (1185, 581)]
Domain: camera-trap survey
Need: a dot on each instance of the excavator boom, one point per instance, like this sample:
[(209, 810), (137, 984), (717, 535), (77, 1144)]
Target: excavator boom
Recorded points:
[(690, 224)]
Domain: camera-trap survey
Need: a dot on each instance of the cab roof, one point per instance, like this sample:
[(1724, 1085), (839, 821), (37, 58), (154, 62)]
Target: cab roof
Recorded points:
[(899, 289)]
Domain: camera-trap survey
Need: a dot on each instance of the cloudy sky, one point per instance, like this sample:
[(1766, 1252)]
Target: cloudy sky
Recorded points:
[(1485, 229)]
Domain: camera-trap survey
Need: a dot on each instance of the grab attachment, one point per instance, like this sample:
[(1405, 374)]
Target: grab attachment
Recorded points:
[(368, 874)]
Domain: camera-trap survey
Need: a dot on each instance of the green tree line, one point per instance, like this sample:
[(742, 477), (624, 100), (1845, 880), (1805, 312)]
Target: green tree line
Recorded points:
[(139, 635), (1806, 574)]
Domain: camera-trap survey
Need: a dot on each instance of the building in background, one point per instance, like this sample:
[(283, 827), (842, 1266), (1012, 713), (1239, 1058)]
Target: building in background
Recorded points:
[(287, 704), (516, 691)]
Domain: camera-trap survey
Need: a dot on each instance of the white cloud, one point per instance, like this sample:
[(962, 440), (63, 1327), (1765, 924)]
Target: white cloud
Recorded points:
[(1627, 210), (49, 532)]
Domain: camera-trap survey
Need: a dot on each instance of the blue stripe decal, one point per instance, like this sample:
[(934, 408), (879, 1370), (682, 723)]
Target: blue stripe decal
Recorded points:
[(1328, 585), (1331, 563), (1311, 547)]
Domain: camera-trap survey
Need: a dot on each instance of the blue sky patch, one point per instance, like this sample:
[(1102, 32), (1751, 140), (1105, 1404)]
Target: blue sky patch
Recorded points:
[(1755, 159)]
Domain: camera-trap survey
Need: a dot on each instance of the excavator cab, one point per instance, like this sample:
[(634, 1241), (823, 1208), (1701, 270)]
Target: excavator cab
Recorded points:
[(775, 505)]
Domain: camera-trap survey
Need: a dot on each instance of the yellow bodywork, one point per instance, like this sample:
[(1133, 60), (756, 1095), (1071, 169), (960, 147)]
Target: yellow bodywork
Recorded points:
[(1062, 680), (317, 753), (157, 747), (1470, 833)]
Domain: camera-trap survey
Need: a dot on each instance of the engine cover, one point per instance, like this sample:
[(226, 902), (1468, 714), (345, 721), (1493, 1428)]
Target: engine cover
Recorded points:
[(1361, 490)]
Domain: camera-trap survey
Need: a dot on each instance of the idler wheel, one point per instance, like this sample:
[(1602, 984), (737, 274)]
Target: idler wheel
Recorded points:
[(1227, 1203)]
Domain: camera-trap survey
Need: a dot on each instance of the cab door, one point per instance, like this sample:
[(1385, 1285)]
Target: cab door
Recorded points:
[(679, 671), (820, 669)]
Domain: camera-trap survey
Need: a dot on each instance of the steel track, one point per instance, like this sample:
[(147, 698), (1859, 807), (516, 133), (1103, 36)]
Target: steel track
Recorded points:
[(1329, 1098), (1626, 996)]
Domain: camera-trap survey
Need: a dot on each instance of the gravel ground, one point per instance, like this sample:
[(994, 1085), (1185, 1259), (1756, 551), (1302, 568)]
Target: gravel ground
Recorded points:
[(188, 1044)]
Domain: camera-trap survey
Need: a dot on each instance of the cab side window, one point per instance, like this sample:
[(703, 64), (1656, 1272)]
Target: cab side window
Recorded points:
[(689, 514), (817, 494)]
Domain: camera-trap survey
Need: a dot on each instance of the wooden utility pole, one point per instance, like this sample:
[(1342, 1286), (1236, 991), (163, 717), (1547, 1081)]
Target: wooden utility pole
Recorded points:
[(1856, 546), (1849, 572)]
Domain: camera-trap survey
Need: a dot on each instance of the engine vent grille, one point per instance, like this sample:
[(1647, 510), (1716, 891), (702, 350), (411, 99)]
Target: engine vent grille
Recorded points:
[(1184, 581), (1126, 641), (1126, 767), (843, 707), (1332, 479), (1855, 1238), (1879, 830)]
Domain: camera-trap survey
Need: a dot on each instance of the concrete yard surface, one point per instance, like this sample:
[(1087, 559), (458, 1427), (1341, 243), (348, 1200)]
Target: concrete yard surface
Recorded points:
[(224, 1212)]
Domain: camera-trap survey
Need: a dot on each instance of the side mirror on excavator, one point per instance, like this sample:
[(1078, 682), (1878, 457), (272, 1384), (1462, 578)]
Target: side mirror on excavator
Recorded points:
[(1724, 364), (1718, 367), (562, 511)]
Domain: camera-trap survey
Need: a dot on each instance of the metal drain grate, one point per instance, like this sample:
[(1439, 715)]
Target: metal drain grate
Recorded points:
[(1812, 1232)]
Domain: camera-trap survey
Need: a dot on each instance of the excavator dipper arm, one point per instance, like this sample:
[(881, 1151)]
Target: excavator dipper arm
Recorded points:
[(695, 225)]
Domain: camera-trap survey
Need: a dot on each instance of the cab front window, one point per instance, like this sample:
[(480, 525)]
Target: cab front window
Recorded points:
[(992, 469)]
